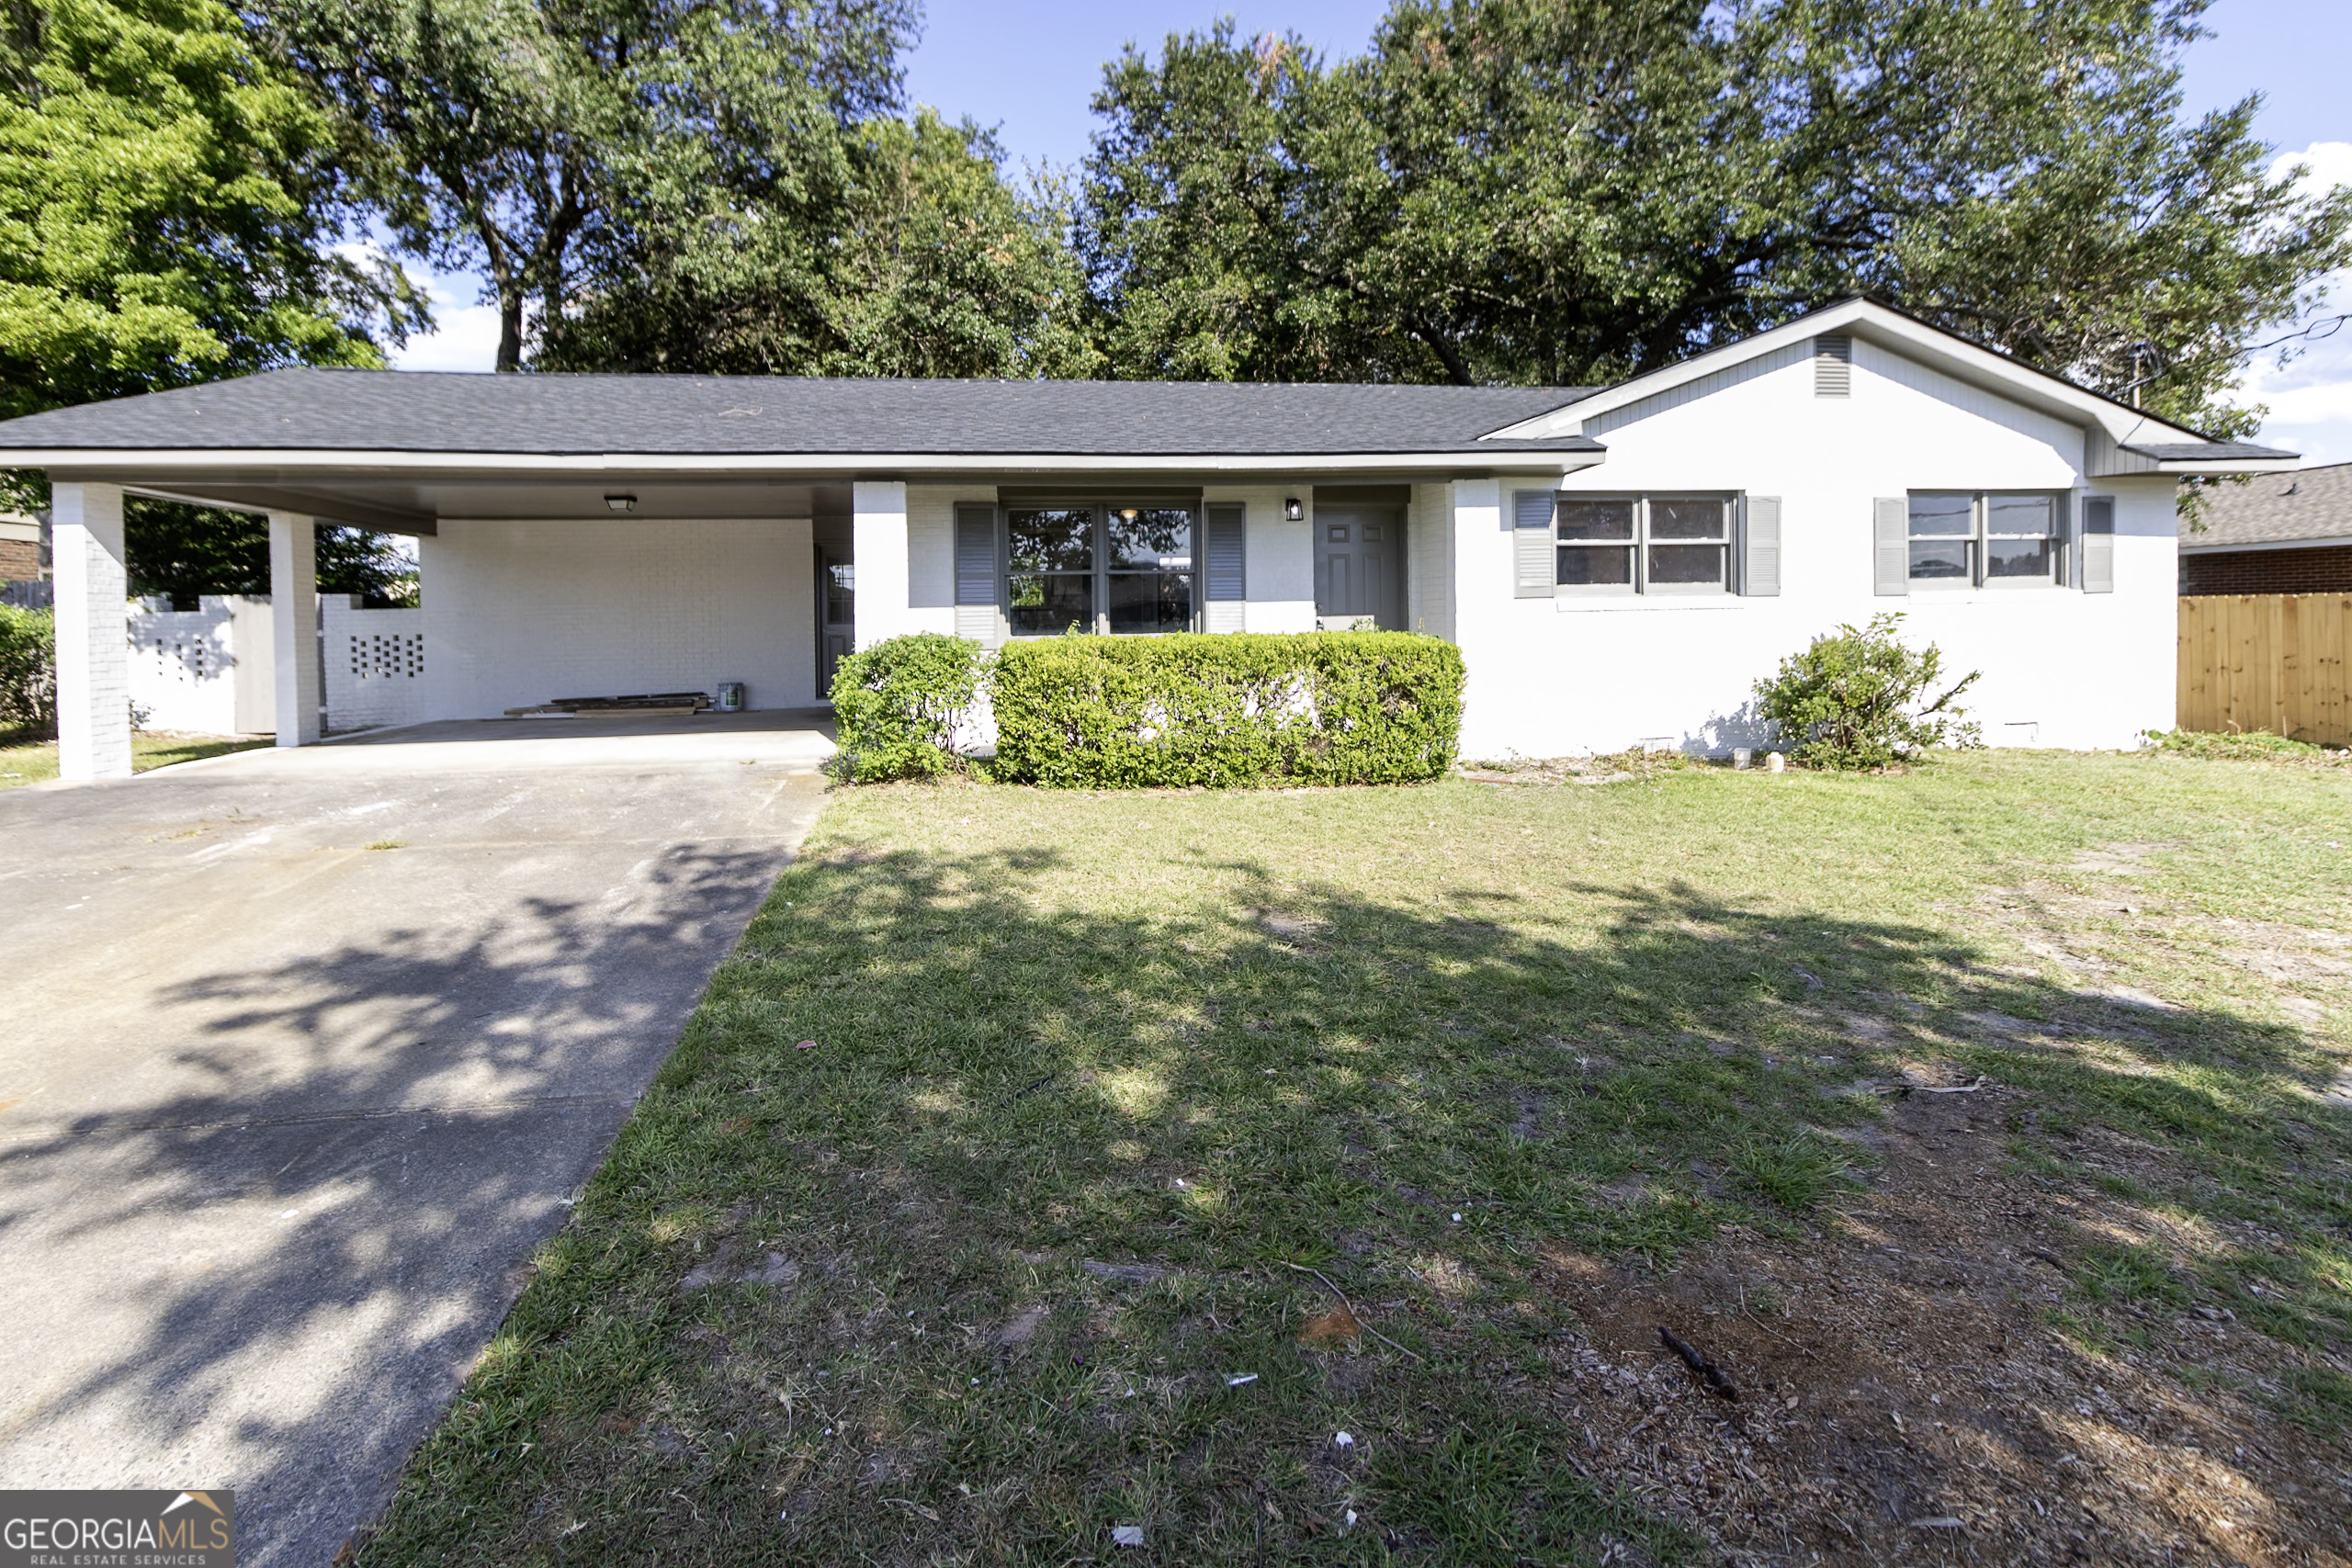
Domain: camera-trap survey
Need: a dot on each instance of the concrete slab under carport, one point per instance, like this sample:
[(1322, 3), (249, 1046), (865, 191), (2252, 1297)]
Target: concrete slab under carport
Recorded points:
[(282, 1116)]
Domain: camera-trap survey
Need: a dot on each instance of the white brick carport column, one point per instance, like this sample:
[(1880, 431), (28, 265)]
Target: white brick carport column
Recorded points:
[(879, 546), (92, 631), (294, 626)]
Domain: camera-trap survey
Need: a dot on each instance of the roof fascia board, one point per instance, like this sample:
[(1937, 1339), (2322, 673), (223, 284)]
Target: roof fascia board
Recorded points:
[(170, 465), (1938, 349), (2283, 464), (2188, 545)]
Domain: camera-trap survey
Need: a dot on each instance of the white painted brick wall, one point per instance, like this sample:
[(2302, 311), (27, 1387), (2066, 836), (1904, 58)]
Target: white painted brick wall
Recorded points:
[(182, 665), (93, 678), (294, 629), (373, 662), (1549, 677), (517, 613), (1428, 570)]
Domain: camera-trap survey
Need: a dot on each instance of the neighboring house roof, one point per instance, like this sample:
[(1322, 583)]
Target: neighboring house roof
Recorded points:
[(362, 411), (2300, 508)]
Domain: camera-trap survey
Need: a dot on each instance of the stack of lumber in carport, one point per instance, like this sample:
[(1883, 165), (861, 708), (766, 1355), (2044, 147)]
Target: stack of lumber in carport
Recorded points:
[(645, 704)]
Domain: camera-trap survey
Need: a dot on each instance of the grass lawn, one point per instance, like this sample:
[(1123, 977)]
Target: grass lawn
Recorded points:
[(24, 761), (1147, 1143)]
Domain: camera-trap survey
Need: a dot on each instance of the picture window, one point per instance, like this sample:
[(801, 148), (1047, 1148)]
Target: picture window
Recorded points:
[(1114, 569)]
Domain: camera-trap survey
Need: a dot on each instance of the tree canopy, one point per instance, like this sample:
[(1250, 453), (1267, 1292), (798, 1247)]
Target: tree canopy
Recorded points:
[(169, 202), (907, 254), (1515, 191), (694, 185), (1574, 191)]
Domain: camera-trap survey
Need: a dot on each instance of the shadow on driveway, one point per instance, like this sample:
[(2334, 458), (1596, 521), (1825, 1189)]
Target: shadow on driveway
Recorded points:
[(305, 1058)]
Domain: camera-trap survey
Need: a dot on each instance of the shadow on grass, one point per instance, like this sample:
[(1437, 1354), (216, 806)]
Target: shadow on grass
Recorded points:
[(972, 1276)]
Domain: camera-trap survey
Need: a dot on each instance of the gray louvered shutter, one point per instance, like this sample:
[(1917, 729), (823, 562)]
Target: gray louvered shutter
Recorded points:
[(1760, 547), (1225, 581), (2098, 544), (1891, 539), (976, 597), (1534, 547)]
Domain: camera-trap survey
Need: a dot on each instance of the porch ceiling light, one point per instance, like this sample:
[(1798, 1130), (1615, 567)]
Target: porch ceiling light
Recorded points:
[(621, 502), (1294, 510)]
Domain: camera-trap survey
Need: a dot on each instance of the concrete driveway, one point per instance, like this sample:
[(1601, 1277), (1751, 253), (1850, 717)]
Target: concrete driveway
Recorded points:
[(284, 1113)]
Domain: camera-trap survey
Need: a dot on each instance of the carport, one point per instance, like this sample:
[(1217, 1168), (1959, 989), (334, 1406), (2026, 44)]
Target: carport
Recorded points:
[(544, 574)]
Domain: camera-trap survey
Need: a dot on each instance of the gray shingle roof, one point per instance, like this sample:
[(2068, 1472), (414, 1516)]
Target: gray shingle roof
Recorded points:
[(2202, 451), (2284, 509), (385, 411)]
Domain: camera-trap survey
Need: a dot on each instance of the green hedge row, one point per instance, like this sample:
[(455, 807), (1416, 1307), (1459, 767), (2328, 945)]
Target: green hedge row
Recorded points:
[(1325, 707), (1221, 711)]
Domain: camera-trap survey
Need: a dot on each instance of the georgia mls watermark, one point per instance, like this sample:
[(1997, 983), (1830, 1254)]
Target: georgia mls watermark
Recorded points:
[(117, 1529)]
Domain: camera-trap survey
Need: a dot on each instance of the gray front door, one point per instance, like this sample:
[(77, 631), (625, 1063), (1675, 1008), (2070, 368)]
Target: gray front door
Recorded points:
[(1359, 565)]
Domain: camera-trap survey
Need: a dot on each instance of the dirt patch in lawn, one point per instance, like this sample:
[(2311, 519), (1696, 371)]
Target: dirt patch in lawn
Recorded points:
[(1905, 1389)]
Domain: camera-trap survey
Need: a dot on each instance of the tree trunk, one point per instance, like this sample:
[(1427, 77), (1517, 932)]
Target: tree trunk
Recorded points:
[(510, 329), (1456, 368)]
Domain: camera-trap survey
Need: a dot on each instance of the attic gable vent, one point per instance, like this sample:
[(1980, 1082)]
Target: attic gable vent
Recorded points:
[(1832, 367)]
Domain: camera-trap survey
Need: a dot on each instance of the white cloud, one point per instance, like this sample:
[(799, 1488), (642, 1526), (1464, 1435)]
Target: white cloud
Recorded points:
[(2330, 163), (465, 331)]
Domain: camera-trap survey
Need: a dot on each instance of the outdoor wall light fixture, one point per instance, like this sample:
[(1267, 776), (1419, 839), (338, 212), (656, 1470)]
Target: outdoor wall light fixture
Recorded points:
[(621, 502), (1294, 510)]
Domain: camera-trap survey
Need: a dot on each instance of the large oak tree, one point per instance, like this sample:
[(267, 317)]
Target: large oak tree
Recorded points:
[(1572, 190)]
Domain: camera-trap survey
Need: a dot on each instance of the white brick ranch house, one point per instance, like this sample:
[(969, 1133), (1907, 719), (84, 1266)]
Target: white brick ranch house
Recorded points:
[(1616, 565)]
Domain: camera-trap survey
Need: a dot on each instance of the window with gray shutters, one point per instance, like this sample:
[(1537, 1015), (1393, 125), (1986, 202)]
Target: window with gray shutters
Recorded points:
[(1117, 568), (1973, 539), (1604, 544)]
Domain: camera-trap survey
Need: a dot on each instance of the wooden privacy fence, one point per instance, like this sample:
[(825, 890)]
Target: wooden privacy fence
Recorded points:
[(2272, 661)]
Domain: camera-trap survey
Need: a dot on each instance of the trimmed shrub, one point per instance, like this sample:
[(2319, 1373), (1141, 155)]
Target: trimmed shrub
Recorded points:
[(1860, 699), (1225, 710), (897, 706), (28, 670)]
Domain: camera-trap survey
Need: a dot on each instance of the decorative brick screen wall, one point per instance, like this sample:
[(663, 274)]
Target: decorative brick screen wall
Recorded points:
[(2312, 569), (374, 664)]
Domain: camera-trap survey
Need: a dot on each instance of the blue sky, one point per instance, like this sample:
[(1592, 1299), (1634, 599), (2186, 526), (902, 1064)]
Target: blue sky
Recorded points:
[(1028, 67)]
